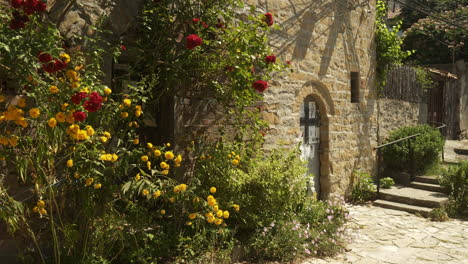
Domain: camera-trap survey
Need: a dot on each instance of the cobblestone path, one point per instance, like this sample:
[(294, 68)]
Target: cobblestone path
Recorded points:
[(389, 236)]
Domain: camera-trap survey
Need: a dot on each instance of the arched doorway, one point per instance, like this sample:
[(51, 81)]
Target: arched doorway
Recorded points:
[(310, 147)]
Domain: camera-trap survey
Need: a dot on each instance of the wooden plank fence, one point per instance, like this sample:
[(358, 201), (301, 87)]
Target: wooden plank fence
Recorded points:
[(402, 85)]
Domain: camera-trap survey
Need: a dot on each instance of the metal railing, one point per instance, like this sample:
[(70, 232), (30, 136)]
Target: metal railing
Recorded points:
[(409, 139)]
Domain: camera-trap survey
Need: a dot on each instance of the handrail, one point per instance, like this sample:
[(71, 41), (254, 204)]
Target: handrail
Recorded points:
[(380, 147)]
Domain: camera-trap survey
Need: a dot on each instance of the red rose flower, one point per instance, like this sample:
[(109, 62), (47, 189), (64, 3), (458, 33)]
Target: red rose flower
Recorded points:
[(79, 116), (76, 98), (17, 3), (288, 62), (40, 7), (193, 41), (269, 19), (260, 85), (44, 57), (270, 59), (195, 20), (122, 47), (204, 24), (94, 102), (59, 65)]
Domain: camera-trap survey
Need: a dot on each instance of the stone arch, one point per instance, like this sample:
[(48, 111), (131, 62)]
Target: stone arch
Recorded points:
[(322, 97)]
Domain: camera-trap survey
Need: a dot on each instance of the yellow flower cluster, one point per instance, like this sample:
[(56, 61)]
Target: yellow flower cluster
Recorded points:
[(14, 114), (109, 157), (73, 78), (76, 133), (40, 208), (216, 215), (12, 141), (236, 160), (180, 188)]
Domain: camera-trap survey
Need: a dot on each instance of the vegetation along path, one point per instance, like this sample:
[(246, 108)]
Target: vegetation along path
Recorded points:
[(388, 236)]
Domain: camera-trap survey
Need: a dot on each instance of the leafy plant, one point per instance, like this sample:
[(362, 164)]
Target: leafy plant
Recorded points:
[(363, 189), (439, 215), (455, 179), (426, 149), (387, 182)]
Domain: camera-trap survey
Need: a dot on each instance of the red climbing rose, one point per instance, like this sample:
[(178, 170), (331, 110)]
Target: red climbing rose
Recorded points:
[(269, 19), (193, 41), (260, 85)]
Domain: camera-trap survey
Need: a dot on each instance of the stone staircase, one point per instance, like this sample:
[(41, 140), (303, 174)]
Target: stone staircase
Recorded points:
[(418, 197)]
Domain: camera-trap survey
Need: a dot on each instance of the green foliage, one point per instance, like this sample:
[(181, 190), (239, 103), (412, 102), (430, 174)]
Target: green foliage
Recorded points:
[(423, 76), (363, 189), (455, 179), (388, 44), (387, 182), (426, 149), (439, 215)]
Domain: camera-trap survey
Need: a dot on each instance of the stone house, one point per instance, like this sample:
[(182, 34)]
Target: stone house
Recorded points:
[(327, 104)]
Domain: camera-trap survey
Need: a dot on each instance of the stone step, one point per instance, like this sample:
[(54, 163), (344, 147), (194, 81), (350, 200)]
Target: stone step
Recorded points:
[(412, 196), (427, 179), (424, 211), (428, 187), (461, 151)]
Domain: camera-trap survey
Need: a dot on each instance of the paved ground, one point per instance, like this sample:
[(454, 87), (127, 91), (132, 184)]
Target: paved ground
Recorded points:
[(449, 153), (389, 236)]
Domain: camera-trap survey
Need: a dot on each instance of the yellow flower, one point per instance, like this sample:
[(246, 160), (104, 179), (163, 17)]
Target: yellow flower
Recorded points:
[(215, 208), (172, 199), (97, 186), (236, 207), (137, 177), (235, 162), (164, 165), (229, 155), (2, 98), (114, 157), (84, 90), (212, 189), (64, 106), (196, 200), (79, 67), (36, 209), (178, 159), (212, 202), (148, 165), (144, 158), (69, 163), (77, 176), (13, 141), (106, 134), (104, 139), (89, 130), (163, 211), (189, 223), (183, 187), (149, 145), (71, 75), (124, 114), (65, 57), (136, 141), (218, 221), (226, 214), (165, 172), (4, 141), (22, 102), (233, 153), (43, 211), (157, 153), (210, 219), (60, 116), (127, 102), (54, 89), (169, 155), (69, 117), (89, 181), (176, 189), (219, 213), (209, 214), (75, 85), (156, 194), (107, 90), (168, 144), (138, 113), (192, 216), (145, 192), (40, 204)]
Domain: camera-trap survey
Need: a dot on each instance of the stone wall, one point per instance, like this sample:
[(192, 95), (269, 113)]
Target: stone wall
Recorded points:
[(394, 114), (325, 40)]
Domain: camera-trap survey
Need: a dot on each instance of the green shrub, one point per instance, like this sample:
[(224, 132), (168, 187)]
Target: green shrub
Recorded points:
[(426, 149), (439, 215), (386, 182), (455, 179), (363, 188)]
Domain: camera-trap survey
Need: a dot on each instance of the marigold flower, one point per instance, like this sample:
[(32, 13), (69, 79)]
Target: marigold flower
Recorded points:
[(163, 211), (176, 189), (236, 207), (144, 158), (106, 134), (13, 141), (165, 172), (104, 139), (149, 145), (77, 176), (54, 89), (226, 214), (69, 163), (189, 223), (144, 192), (169, 155), (89, 130), (65, 57), (218, 221), (172, 199), (210, 219), (196, 200), (64, 106), (235, 162), (138, 113), (127, 102), (97, 186), (192, 216), (148, 165), (157, 153), (114, 157), (89, 181), (60, 116), (168, 144), (215, 208), (21, 102), (40, 204), (36, 209), (212, 189), (164, 165), (156, 194), (137, 177), (219, 213), (43, 211), (136, 141), (183, 187), (124, 114), (52, 122), (107, 90)]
